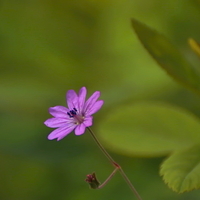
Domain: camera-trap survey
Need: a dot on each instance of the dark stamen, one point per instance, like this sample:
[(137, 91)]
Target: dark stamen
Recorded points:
[(72, 113), (69, 115)]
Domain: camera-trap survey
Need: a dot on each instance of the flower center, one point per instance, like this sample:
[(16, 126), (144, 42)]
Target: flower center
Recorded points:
[(74, 114)]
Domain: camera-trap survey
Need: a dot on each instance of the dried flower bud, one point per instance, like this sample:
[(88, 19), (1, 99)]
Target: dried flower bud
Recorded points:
[(92, 180)]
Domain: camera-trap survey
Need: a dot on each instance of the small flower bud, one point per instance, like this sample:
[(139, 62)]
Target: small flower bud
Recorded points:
[(92, 180)]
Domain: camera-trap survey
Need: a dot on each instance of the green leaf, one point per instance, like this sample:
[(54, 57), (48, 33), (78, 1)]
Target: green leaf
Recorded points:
[(148, 129), (167, 56), (181, 171), (194, 46)]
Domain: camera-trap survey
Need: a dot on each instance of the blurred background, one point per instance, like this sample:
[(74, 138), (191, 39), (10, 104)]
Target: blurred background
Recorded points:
[(51, 46)]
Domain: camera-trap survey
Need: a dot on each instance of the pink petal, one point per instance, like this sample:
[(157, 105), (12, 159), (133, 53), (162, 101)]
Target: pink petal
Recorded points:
[(59, 111), (81, 98), (80, 129), (61, 132), (61, 137), (89, 103), (72, 99), (88, 121), (96, 106), (56, 122)]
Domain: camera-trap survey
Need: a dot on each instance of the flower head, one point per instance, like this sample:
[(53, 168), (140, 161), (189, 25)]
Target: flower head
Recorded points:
[(92, 180), (76, 117)]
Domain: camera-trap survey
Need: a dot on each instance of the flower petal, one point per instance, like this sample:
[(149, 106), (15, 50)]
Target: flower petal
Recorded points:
[(88, 121), (56, 122), (61, 132), (89, 103), (59, 111), (80, 129), (81, 98), (72, 99), (96, 106)]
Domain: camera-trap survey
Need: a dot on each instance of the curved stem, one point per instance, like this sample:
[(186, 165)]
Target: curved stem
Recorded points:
[(117, 166), (108, 179), (101, 147)]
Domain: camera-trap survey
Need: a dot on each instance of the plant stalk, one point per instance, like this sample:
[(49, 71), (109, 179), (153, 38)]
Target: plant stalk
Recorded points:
[(116, 165), (108, 179)]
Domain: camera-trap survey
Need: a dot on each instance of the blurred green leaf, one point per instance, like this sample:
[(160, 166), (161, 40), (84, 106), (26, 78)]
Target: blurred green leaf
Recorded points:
[(181, 171), (194, 46), (148, 129), (167, 56)]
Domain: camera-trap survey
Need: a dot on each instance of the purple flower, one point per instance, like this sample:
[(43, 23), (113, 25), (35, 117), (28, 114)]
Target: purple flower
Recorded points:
[(77, 116)]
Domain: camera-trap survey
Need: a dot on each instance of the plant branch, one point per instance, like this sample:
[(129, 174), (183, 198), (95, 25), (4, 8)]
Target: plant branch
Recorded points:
[(117, 166), (108, 179)]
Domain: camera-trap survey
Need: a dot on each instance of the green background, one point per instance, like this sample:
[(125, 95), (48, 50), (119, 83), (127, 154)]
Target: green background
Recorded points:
[(49, 47)]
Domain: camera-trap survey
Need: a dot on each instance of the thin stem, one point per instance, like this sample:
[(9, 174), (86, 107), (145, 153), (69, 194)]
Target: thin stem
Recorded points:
[(117, 166), (130, 184), (101, 147), (108, 179)]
